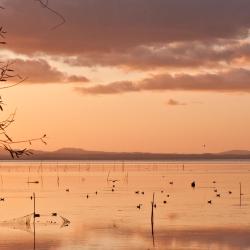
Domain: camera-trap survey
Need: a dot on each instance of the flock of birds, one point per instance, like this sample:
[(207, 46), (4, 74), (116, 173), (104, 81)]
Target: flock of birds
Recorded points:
[(139, 206)]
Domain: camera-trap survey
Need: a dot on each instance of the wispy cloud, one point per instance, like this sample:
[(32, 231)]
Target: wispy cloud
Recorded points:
[(40, 71), (236, 80)]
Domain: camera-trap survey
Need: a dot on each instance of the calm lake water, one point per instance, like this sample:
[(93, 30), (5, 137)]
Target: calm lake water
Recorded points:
[(118, 216)]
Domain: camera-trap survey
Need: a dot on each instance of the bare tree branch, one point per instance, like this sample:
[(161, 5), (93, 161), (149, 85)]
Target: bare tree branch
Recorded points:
[(45, 4), (6, 73)]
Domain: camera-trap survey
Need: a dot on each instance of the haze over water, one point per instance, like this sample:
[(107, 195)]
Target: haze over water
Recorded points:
[(112, 220)]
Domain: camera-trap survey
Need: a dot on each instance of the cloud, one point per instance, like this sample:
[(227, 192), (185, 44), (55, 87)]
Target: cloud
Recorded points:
[(177, 55), (236, 80), (172, 102), (142, 35), (118, 25), (39, 71)]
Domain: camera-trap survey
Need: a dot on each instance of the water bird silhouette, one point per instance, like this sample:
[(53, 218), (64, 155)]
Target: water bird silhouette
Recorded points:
[(115, 180), (139, 206), (193, 184), (33, 182), (209, 202)]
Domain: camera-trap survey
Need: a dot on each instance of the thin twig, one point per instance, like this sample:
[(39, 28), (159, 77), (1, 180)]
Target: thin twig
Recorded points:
[(46, 5)]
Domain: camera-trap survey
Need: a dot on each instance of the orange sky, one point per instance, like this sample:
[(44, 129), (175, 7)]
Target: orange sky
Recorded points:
[(158, 76)]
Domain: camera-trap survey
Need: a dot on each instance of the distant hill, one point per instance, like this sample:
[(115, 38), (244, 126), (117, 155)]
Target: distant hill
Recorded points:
[(236, 152), (81, 154)]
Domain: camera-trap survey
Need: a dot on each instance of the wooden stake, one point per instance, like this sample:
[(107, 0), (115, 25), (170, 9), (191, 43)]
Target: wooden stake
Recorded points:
[(34, 220), (152, 218), (240, 194)]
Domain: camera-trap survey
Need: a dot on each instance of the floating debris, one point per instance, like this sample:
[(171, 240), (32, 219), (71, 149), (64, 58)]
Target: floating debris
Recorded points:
[(26, 222)]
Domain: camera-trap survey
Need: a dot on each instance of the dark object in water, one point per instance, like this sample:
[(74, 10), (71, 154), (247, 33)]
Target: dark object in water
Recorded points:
[(161, 191), (193, 184), (1, 199), (87, 196), (215, 190), (230, 192), (113, 180), (209, 202), (67, 190), (168, 195), (112, 190), (154, 205), (142, 192), (214, 182), (217, 195), (136, 192), (139, 206), (171, 182), (33, 182), (164, 202), (36, 215), (96, 192), (54, 214)]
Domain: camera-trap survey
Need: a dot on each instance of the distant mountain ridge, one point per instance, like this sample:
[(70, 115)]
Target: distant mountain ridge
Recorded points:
[(236, 152), (81, 154)]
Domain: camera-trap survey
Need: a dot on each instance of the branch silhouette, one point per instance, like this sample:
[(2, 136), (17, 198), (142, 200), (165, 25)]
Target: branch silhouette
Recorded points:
[(6, 141), (45, 4)]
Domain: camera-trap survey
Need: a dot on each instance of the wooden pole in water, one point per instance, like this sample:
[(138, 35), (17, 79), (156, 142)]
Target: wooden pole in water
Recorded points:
[(34, 220), (240, 194), (34, 203), (152, 218)]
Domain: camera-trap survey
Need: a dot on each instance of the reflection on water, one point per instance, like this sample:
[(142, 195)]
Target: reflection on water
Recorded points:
[(109, 205)]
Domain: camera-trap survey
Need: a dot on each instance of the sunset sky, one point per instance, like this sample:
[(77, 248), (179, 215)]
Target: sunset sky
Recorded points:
[(130, 75)]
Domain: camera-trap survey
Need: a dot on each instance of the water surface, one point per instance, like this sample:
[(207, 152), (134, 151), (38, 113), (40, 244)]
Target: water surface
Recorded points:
[(111, 219)]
